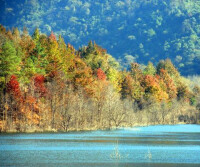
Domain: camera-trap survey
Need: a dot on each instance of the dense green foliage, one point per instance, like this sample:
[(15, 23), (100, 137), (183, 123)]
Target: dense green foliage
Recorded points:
[(131, 30), (47, 84)]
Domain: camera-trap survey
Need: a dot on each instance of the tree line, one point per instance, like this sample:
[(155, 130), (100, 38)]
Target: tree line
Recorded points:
[(47, 85)]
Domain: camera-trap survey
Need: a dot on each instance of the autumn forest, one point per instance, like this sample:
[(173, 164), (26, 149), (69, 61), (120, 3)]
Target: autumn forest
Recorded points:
[(48, 85)]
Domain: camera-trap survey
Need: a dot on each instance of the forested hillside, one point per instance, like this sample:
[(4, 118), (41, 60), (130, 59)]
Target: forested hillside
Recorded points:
[(46, 84), (131, 30)]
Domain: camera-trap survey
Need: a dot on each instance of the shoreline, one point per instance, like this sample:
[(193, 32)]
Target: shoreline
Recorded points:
[(86, 130)]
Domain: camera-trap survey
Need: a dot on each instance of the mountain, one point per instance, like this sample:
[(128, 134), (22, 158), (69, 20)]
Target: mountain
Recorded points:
[(131, 30)]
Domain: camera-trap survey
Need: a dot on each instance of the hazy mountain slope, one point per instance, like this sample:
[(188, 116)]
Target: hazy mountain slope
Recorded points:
[(147, 30)]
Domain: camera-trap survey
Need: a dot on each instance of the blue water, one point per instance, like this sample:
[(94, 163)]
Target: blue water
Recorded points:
[(167, 146)]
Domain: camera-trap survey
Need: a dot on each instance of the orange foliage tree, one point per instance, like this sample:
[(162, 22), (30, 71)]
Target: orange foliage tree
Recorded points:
[(100, 74), (168, 85), (153, 89)]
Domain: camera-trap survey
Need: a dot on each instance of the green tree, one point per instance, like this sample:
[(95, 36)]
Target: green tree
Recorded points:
[(28, 70), (36, 35), (38, 55), (114, 77), (9, 61), (150, 69), (90, 48)]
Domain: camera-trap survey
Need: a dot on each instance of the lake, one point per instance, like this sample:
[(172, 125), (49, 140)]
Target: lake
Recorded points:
[(153, 146)]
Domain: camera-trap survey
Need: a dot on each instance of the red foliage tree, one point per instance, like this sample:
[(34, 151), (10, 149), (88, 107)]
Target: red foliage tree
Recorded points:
[(13, 86), (100, 74), (39, 85)]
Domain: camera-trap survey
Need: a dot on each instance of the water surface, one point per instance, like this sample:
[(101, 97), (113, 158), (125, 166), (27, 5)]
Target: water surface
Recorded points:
[(166, 146)]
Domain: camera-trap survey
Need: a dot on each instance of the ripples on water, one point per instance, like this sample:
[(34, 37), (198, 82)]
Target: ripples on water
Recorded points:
[(154, 146)]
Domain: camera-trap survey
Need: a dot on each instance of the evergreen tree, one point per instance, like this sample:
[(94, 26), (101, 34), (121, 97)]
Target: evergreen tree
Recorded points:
[(90, 48), (38, 55), (9, 61), (36, 35)]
